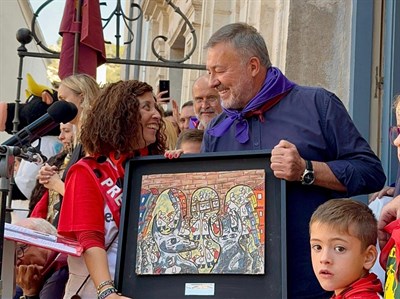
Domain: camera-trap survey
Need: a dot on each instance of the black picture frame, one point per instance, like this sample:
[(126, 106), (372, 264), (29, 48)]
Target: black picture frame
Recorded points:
[(271, 284)]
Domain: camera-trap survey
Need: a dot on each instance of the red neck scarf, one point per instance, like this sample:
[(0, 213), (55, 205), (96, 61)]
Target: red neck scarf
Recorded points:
[(112, 168), (365, 288)]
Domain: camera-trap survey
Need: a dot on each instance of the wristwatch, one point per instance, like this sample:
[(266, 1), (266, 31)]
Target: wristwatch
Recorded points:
[(29, 297), (308, 175)]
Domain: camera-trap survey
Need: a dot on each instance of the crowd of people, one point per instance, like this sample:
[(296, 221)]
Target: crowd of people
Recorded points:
[(242, 103)]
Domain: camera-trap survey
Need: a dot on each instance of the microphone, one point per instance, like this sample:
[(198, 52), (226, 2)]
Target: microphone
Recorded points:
[(13, 150), (30, 154), (59, 112)]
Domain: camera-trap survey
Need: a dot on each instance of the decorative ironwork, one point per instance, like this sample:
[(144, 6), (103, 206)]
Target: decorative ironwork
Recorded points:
[(192, 31), (121, 17), (33, 28), (25, 36), (119, 12)]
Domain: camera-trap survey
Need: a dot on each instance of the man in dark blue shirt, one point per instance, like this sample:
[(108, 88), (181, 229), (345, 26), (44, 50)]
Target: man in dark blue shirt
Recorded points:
[(315, 146)]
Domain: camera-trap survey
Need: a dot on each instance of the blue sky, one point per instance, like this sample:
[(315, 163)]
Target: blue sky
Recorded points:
[(50, 18)]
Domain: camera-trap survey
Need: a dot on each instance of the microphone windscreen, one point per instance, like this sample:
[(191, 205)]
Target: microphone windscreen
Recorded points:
[(62, 111)]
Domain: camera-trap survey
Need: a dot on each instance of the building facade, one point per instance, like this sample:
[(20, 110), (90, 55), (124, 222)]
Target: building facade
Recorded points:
[(345, 46)]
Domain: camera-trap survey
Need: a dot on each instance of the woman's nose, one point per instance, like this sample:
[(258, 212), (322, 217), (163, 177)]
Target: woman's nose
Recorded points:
[(156, 114)]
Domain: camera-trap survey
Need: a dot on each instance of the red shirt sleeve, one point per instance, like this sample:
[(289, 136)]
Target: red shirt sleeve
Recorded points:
[(83, 203), (89, 239)]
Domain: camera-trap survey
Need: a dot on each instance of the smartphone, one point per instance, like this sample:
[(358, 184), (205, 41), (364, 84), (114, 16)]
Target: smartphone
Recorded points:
[(164, 86)]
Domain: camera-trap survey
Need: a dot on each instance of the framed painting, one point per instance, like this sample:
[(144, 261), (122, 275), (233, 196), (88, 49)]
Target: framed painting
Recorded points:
[(209, 225)]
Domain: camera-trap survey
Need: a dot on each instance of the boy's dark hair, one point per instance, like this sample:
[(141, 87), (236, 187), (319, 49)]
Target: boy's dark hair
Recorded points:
[(350, 217), (193, 135)]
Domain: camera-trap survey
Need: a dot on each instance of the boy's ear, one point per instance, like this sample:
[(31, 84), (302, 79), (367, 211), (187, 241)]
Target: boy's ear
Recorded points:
[(371, 255)]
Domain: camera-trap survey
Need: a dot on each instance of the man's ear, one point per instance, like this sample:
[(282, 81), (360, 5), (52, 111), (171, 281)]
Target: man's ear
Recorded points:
[(371, 255), (255, 65)]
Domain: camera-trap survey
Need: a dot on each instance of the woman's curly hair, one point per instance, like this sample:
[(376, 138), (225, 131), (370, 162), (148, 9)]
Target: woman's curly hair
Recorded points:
[(113, 122)]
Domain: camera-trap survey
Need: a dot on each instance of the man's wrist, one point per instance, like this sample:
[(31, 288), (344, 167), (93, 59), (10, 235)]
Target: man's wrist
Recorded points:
[(29, 297), (308, 176)]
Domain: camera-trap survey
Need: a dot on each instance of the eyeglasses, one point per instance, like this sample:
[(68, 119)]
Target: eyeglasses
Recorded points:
[(20, 251), (394, 132)]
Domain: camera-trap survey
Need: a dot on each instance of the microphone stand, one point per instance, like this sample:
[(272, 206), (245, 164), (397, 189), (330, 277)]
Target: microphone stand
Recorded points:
[(6, 173)]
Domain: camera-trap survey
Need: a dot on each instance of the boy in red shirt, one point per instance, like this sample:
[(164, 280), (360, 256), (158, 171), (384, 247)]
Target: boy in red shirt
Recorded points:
[(343, 235)]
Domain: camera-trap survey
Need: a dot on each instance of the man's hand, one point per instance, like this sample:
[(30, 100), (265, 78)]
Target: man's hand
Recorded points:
[(386, 191), (29, 278), (286, 162)]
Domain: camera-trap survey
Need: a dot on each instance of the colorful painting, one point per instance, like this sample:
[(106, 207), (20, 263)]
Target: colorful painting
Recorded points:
[(201, 223)]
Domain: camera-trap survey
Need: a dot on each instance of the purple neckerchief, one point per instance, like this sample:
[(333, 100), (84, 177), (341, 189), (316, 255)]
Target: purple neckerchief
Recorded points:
[(275, 84)]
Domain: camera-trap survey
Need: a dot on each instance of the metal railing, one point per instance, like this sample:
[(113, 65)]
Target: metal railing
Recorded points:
[(25, 36)]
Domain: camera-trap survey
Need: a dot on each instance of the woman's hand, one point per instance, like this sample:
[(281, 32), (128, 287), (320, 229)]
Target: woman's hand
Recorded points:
[(160, 99), (390, 212), (55, 183), (45, 173), (173, 154), (175, 111), (48, 176)]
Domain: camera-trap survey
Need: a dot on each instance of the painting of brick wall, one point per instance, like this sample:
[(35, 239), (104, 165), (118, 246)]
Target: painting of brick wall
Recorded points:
[(202, 222), (220, 181)]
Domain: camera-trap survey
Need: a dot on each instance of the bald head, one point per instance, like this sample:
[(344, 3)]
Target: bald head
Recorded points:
[(207, 104), (29, 254)]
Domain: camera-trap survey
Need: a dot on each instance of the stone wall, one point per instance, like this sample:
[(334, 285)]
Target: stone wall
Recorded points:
[(318, 45)]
